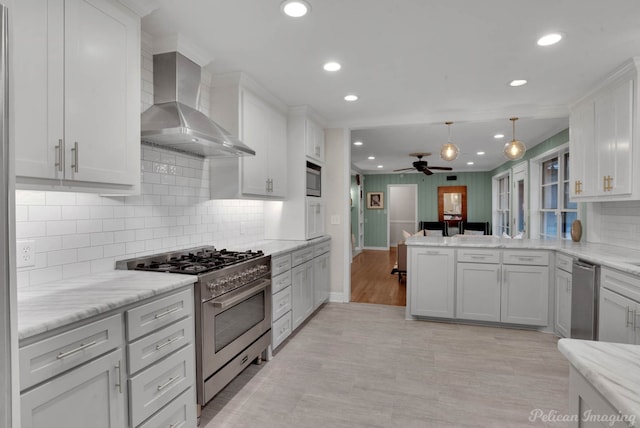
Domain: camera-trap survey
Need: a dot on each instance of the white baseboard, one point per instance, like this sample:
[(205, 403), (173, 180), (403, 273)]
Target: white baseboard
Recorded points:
[(337, 297), (377, 248)]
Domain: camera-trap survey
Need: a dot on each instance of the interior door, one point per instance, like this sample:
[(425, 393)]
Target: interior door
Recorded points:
[(403, 211), (520, 200)]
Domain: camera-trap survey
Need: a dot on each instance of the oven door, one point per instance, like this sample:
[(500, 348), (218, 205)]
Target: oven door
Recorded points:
[(232, 322)]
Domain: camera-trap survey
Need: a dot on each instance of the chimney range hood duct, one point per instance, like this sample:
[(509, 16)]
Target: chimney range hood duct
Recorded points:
[(174, 121)]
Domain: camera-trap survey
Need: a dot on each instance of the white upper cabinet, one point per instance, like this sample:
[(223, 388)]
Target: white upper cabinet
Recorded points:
[(247, 111), (314, 141), (77, 95), (603, 146)]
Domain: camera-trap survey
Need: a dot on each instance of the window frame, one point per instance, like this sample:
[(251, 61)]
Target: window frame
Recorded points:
[(498, 212)]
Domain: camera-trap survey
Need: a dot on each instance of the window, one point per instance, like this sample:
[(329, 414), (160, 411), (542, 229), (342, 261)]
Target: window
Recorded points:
[(556, 211), (502, 215)]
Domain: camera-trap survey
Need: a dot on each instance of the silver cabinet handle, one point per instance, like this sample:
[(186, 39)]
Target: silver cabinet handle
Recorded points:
[(119, 383), (167, 383), (167, 312), (167, 343), (627, 322), (636, 324), (74, 165), (60, 155), (82, 347)]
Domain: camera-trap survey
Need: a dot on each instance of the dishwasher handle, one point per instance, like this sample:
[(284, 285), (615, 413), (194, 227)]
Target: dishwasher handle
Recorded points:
[(584, 265)]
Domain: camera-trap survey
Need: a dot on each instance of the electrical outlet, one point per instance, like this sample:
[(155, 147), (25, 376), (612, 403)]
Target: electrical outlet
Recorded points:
[(26, 253)]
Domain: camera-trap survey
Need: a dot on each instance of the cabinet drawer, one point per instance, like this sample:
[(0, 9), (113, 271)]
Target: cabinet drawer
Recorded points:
[(280, 264), (564, 262), (180, 413), (157, 345), (280, 282), (281, 329), (478, 256), (627, 285), (64, 351), (281, 303), (301, 256), (321, 248), (525, 257), (156, 386), (159, 313)]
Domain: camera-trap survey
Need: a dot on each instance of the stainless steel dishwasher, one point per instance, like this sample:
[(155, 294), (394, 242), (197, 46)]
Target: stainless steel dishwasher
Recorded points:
[(585, 290)]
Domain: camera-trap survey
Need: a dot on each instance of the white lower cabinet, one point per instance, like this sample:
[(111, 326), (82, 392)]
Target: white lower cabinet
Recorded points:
[(91, 395), (320, 279), (302, 292), (431, 282), (478, 291), (563, 303), (525, 295), (619, 307)]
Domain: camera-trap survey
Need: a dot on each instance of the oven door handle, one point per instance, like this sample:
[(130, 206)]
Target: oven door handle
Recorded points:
[(230, 301)]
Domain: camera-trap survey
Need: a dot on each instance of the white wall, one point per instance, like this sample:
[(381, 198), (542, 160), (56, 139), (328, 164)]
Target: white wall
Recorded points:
[(336, 196), (78, 233)]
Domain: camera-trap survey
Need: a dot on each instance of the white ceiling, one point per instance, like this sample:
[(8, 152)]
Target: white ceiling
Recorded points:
[(416, 64)]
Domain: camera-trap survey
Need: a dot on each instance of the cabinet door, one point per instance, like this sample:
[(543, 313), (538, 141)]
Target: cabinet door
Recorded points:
[(38, 82), (478, 291), (321, 279), (102, 92), (582, 148), (255, 133), (525, 295), (563, 303), (615, 318), (89, 396), (314, 141), (302, 291), (315, 218), (277, 155), (431, 282)]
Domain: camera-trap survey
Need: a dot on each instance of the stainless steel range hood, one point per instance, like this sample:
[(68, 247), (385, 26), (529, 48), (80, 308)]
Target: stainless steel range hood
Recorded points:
[(174, 120)]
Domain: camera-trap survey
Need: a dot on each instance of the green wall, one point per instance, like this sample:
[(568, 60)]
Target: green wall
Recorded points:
[(478, 199)]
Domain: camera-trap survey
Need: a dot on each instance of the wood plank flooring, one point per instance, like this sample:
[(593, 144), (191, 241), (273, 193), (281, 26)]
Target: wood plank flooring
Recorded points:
[(371, 279), (361, 365)]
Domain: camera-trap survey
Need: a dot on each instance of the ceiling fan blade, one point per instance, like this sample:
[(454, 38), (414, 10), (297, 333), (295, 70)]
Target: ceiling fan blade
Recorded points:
[(403, 169), (427, 171), (442, 168)]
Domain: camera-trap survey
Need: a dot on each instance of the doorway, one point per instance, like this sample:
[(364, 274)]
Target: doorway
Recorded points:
[(520, 200), (402, 211)]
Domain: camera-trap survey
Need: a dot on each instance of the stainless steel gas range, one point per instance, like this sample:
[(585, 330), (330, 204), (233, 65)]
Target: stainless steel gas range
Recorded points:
[(233, 309)]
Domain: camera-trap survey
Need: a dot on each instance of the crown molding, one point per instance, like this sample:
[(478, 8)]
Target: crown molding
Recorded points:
[(179, 43)]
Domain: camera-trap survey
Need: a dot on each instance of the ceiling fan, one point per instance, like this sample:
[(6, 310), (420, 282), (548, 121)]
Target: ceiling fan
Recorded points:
[(423, 166)]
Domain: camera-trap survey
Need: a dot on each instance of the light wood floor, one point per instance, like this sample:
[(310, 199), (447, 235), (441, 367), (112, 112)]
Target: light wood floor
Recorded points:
[(362, 365), (372, 282)]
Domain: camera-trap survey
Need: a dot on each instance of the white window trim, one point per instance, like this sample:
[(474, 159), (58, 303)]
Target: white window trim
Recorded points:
[(495, 195), (535, 194)]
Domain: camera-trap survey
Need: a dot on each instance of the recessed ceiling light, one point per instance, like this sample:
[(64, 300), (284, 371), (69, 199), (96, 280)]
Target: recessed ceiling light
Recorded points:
[(380, 166), (332, 66), (550, 39), (351, 97), (357, 143), (371, 157), (480, 153), (498, 136), (518, 82), (469, 163), (295, 8)]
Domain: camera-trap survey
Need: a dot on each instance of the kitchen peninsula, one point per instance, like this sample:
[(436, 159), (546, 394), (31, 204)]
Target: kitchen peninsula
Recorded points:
[(496, 280)]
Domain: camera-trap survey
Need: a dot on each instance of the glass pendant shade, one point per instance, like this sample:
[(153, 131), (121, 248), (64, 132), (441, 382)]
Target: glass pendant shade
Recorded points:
[(514, 149), (449, 151)]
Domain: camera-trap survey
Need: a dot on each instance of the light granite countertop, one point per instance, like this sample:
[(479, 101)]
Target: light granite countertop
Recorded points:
[(44, 307), (612, 368), (623, 259)]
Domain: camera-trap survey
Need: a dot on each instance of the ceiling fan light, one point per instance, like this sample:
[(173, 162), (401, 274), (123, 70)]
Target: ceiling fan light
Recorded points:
[(514, 149), (449, 152)]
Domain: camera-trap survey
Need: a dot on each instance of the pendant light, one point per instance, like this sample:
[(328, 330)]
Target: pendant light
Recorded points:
[(514, 149), (449, 151)]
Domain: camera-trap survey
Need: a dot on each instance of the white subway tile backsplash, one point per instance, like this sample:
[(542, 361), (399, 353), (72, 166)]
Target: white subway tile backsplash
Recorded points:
[(76, 212), (60, 198), (73, 270), (44, 213), (89, 226), (103, 238), (55, 258), (124, 236), (620, 223), (40, 276), (112, 225), (62, 227), (75, 241), (28, 197), (91, 253)]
